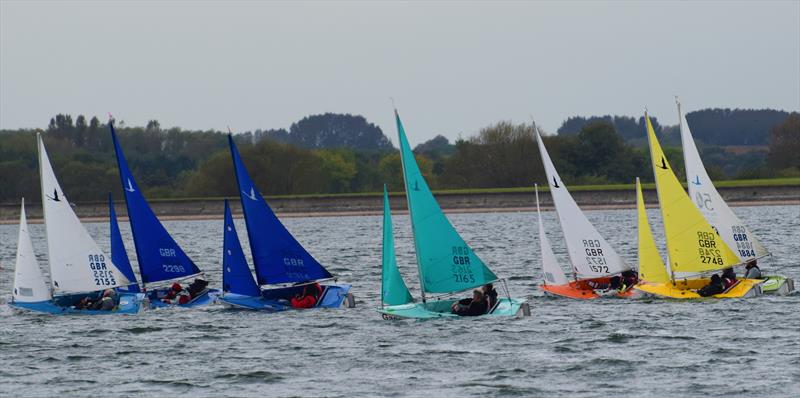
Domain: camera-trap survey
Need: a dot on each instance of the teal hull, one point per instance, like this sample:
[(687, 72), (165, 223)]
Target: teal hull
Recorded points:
[(779, 285), (441, 309)]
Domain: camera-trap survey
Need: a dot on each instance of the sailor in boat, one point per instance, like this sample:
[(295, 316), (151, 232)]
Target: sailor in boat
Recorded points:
[(715, 286), (490, 294), (729, 278), (308, 298), (751, 270), (474, 306)]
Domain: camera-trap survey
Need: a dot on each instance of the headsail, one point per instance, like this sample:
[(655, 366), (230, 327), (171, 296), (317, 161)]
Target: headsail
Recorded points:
[(743, 242), (393, 289), (553, 274), (590, 254), (29, 284), (236, 275), (693, 246), (651, 266), (160, 257), (119, 256), (278, 256), (77, 264), (446, 263)]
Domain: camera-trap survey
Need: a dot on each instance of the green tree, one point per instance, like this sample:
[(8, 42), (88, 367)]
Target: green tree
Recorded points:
[(784, 146)]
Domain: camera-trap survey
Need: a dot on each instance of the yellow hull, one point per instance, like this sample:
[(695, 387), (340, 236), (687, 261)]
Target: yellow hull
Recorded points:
[(686, 289)]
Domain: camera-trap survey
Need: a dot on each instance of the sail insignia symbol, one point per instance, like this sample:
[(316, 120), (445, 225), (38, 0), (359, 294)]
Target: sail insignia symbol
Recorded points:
[(663, 164), (54, 197), (696, 180), (251, 195), (129, 188), (416, 185), (555, 183)]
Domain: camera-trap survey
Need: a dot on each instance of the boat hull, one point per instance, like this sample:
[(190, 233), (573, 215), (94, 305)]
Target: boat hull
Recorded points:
[(777, 285), (274, 300), (686, 289), (129, 303), (441, 309), (580, 290), (208, 297)]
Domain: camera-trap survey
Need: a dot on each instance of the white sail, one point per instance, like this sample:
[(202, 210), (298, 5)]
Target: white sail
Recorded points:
[(29, 284), (705, 196), (76, 262), (553, 274), (590, 254)]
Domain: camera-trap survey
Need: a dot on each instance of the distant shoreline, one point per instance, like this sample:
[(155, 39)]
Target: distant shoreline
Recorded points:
[(370, 204)]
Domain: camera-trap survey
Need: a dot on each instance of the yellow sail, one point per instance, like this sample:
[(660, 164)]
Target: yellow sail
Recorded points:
[(651, 266), (693, 245)]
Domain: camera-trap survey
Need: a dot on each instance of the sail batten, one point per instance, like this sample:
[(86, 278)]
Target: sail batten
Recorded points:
[(277, 255), (693, 246), (589, 252), (445, 262), (160, 257)]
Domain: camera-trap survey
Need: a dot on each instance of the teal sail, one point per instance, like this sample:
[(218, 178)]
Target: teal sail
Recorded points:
[(446, 263), (393, 289)]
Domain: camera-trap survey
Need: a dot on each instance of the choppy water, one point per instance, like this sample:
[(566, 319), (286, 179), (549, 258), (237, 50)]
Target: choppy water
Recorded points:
[(602, 348)]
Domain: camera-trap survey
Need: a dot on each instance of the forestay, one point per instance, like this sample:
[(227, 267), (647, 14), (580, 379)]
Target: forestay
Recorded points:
[(553, 274), (277, 255), (589, 252), (29, 283), (693, 246), (651, 266), (119, 256), (393, 289), (729, 227), (236, 275), (160, 257), (77, 264), (446, 263)]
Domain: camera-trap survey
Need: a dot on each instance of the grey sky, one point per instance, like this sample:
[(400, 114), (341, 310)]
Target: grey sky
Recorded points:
[(452, 67)]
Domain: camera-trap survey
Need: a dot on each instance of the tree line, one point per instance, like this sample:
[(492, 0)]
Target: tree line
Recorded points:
[(170, 163)]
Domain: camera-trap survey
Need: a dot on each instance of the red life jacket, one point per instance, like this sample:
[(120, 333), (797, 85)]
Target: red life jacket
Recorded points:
[(303, 302)]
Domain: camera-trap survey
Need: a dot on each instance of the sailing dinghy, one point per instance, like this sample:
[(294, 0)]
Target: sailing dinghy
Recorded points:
[(161, 260), (79, 269), (594, 261), (730, 228), (283, 267), (693, 246), (446, 264)]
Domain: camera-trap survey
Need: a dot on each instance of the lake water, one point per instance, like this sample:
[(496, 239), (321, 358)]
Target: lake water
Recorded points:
[(608, 347)]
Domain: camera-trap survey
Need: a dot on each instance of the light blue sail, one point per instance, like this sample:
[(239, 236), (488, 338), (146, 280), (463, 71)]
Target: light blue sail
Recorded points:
[(236, 275), (393, 288), (160, 257), (446, 263), (119, 256), (277, 255)]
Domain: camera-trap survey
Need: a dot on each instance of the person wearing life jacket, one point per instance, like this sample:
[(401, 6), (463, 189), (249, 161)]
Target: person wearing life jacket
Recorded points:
[(173, 294), (490, 294), (715, 286), (107, 302), (728, 278), (627, 279), (309, 297), (197, 287), (471, 307), (751, 270)]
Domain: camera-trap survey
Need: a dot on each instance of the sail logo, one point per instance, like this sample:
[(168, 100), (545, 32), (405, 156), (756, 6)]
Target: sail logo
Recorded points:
[(416, 185), (555, 183), (663, 164), (54, 198), (129, 188), (696, 180), (251, 195)]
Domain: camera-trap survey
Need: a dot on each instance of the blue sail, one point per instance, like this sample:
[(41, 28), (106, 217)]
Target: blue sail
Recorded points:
[(160, 257), (277, 255), (236, 276), (119, 256)]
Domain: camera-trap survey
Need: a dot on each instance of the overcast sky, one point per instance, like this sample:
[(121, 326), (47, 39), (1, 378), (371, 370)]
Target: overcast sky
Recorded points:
[(451, 67)]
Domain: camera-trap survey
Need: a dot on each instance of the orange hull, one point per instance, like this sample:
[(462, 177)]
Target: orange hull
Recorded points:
[(570, 290)]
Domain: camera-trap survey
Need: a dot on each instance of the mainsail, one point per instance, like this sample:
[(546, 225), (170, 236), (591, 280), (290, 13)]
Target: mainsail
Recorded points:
[(160, 257), (738, 237), (446, 263), (236, 275), (591, 256), (393, 289), (29, 283), (119, 256), (553, 274), (651, 266), (693, 245), (277, 255), (77, 265)]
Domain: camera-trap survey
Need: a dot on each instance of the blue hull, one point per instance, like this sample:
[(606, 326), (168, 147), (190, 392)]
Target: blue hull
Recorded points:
[(210, 296), (129, 303), (275, 300)]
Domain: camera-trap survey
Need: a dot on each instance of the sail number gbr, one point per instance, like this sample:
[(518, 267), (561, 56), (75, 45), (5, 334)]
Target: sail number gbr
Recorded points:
[(709, 254), (171, 268), (461, 267), (100, 272), (594, 256)]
